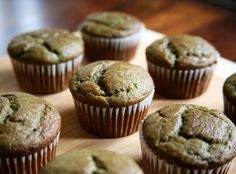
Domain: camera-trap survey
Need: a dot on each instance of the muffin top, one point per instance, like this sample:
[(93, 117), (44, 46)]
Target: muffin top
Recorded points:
[(27, 123), (182, 51), (111, 24), (191, 135), (229, 88), (91, 161), (46, 46), (111, 84)]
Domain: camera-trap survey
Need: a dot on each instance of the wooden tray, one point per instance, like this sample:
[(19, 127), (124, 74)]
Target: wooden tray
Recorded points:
[(74, 138)]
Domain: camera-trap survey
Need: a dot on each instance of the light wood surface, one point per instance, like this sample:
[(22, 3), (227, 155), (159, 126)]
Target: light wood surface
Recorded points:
[(74, 138)]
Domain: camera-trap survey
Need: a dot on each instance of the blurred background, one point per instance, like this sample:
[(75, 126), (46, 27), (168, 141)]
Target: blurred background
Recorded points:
[(215, 20)]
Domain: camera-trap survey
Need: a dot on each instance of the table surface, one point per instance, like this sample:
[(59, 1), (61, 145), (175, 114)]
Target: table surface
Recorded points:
[(171, 17), (74, 138)]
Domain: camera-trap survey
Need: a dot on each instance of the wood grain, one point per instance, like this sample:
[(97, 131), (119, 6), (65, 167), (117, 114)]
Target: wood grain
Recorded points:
[(74, 138), (171, 17)]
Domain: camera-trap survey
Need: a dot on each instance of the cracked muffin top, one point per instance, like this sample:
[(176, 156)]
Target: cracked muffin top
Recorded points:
[(191, 135), (111, 24), (46, 46), (182, 51), (27, 123), (91, 161), (111, 84), (229, 88)]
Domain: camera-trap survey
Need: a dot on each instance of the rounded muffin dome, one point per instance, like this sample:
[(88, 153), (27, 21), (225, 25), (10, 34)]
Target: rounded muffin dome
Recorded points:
[(190, 136), (45, 46), (111, 84), (111, 24), (92, 161), (27, 124), (229, 88), (182, 51)]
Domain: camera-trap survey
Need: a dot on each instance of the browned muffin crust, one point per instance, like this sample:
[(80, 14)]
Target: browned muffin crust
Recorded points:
[(45, 46), (182, 52), (111, 24), (191, 136), (27, 123), (229, 89), (111, 84), (92, 161)]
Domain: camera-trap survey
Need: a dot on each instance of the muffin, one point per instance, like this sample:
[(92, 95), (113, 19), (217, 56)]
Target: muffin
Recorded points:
[(92, 161), (229, 93), (181, 66), (45, 60), (111, 97), (29, 133), (110, 35), (187, 139)]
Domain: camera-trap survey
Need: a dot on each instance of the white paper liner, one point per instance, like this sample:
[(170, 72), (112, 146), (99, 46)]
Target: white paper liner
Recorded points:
[(230, 110), (29, 164), (112, 122), (155, 165), (180, 84), (45, 79), (100, 48)]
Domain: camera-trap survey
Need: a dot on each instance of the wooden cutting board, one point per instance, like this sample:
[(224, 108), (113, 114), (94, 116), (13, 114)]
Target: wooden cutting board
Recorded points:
[(74, 138)]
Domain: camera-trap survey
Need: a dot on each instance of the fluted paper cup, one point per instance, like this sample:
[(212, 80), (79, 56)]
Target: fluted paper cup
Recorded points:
[(154, 165), (45, 79), (112, 122), (100, 48), (181, 84), (31, 163), (230, 110)]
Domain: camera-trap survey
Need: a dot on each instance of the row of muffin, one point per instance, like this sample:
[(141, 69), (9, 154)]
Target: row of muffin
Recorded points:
[(123, 88), (181, 66), (175, 139), (44, 62), (47, 58)]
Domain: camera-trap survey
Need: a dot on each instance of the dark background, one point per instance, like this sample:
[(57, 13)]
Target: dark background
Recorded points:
[(214, 23)]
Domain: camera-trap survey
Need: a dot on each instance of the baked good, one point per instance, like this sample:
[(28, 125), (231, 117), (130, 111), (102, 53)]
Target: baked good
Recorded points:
[(111, 97), (229, 93), (91, 161), (187, 139), (181, 65), (110, 35), (45, 60), (29, 133)]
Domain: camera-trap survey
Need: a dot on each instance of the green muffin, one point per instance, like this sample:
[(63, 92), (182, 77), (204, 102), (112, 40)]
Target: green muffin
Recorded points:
[(182, 52), (188, 138), (115, 88), (111, 24), (111, 84), (29, 129), (51, 55), (181, 65), (46, 46), (92, 161), (110, 35), (229, 92)]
